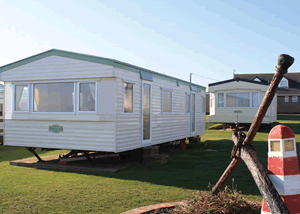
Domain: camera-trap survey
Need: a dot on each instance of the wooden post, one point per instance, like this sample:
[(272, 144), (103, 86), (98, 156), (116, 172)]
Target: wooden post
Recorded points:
[(265, 186), (284, 62)]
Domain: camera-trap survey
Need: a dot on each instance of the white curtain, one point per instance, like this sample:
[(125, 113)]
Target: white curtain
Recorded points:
[(93, 89), (19, 93)]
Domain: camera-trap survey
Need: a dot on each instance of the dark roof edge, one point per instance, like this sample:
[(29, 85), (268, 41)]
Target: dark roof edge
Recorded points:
[(86, 57), (237, 79)]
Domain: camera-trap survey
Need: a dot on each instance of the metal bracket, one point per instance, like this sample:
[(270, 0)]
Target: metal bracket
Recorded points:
[(32, 150)]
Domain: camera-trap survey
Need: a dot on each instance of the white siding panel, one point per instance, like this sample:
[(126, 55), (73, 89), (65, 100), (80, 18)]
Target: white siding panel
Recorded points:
[(56, 67), (128, 124), (176, 125), (200, 115), (165, 126), (107, 96), (93, 136), (8, 105)]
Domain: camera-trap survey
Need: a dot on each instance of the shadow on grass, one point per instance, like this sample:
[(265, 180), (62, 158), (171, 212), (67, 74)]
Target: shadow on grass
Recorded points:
[(194, 169), (10, 153)]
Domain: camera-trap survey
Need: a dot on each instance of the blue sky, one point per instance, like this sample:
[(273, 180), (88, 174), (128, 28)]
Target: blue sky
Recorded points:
[(207, 38)]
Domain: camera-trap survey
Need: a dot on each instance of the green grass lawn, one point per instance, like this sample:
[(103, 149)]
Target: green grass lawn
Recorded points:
[(27, 190)]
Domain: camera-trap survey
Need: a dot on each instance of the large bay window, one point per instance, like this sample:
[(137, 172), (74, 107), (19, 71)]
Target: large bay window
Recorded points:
[(56, 97), (53, 97), (238, 100)]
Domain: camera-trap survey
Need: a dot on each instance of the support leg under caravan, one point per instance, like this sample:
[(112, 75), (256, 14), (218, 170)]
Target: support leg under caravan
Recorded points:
[(32, 150)]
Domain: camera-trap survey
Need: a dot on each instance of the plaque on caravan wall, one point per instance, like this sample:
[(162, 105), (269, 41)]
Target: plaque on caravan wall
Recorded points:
[(55, 128)]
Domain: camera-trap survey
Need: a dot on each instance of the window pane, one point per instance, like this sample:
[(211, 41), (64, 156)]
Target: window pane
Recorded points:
[(53, 97), (238, 100), (193, 112), (220, 100), (167, 101), (294, 99), (87, 93), (188, 103), (284, 83), (1, 109), (275, 146), (255, 99), (128, 99), (286, 99), (146, 111), (288, 145), (21, 98)]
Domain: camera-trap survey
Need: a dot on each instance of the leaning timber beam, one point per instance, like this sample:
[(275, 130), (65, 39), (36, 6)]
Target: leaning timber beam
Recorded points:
[(266, 188)]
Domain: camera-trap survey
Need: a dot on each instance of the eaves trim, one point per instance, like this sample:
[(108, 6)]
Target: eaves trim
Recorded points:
[(95, 59), (237, 80)]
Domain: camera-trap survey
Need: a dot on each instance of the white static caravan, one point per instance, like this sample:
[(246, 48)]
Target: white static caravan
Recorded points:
[(237, 101), (64, 100), (1, 106)]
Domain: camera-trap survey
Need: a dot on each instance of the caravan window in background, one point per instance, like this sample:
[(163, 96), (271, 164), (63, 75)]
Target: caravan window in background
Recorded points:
[(255, 102), (284, 83), (220, 99), (21, 98), (238, 100), (128, 98), (53, 97), (286, 99)]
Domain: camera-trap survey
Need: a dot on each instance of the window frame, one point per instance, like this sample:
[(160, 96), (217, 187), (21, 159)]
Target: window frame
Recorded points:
[(75, 82), (224, 100), (285, 145), (195, 111), (258, 103), (166, 90), (132, 98), (203, 104), (256, 79), (28, 99), (250, 100), (286, 99), (52, 112), (294, 100), (237, 92), (186, 103), (283, 80), (77, 101)]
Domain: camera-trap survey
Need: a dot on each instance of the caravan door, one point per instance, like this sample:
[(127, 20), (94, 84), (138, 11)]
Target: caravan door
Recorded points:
[(146, 111)]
